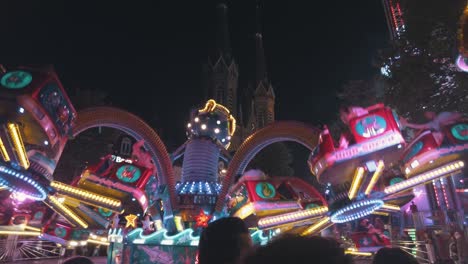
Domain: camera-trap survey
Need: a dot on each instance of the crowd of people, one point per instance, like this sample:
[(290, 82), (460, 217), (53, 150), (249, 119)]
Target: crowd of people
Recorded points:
[(227, 241)]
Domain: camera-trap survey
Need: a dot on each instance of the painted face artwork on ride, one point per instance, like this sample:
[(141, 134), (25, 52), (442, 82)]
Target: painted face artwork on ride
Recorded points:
[(16, 80), (128, 173), (371, 126), (265, 190)]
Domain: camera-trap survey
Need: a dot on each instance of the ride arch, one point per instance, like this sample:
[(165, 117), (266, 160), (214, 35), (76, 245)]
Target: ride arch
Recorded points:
[(138, 129), (299, 132)]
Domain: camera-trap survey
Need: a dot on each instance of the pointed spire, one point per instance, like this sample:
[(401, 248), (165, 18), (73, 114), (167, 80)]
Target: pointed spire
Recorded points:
[(261, 73), (223, 46)]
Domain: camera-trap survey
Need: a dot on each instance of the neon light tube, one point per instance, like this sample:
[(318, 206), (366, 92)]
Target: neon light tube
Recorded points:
[(321, 224), (19, 233), (375, 177), (292, 217), (84, 195), (15, 135), (391, 207), (358, 253), (357, 180), (4, 152), (58, 205), (425, 177)]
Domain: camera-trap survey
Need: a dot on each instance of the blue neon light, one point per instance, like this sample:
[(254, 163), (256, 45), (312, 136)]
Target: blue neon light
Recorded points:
[(6, 173), (356, 210)]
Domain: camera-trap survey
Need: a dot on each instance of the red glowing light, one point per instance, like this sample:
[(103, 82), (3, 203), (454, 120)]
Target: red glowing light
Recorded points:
[(202, 219)]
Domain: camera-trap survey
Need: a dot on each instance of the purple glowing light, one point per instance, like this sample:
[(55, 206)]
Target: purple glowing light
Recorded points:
[(19, 196), (461, 64)]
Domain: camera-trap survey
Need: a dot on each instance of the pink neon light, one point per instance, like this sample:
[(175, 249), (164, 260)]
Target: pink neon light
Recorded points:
[(436, 195), (400, 14), (461, 64), (445, 193), (394, 17)]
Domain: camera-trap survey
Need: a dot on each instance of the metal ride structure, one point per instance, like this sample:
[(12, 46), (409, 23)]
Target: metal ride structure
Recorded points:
[(37, 120)]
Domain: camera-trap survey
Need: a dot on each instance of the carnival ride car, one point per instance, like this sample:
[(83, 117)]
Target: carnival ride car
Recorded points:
[(274, 202)]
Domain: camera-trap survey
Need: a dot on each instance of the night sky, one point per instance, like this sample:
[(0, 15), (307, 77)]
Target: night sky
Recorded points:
[(148, 55)]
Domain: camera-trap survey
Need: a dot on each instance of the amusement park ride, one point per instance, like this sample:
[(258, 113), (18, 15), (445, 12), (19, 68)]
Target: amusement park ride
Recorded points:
[(378, 169)]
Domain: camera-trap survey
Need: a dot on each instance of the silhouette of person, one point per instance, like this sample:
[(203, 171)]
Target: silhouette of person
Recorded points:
[(298, 250), (392, 256), (224, 241), (413, 207)]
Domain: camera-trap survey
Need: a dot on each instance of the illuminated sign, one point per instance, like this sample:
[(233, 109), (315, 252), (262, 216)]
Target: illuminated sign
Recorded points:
[(265, 190), (16, 79), (460, 131), (371, 126), (369, 146), (118, 159), (128, 173)]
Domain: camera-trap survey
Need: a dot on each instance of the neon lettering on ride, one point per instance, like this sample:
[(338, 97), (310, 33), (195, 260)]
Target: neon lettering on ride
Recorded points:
[(369, 146)]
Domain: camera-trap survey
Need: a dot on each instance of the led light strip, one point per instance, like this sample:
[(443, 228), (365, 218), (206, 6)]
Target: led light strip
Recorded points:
[(357, 180), (356, 210), (94, 241), (321, 224), (4, 152), (19, 233), (15, 135), (54, 201), (291, 217), (358, 253), (67, 189), (425, 177), (375, 177)]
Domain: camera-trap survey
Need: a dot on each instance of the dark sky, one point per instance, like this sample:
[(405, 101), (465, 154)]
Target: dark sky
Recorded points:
[(148, 54)]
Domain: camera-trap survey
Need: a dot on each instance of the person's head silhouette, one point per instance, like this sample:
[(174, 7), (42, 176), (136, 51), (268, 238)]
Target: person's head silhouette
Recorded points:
[(393, 255), (224, 241)]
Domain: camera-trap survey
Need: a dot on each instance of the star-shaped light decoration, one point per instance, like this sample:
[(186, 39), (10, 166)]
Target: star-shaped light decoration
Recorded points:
[(202, 219), (147, 224), (131, 220)]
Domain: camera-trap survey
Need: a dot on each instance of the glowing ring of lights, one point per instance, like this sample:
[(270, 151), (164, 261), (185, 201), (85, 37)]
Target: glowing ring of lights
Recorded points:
[(356, 210), (10, 179)]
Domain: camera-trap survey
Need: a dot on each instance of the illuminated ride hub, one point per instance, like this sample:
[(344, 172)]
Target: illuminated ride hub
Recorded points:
[(376, 142), (275, 202), (36, 118), (209, 134)]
